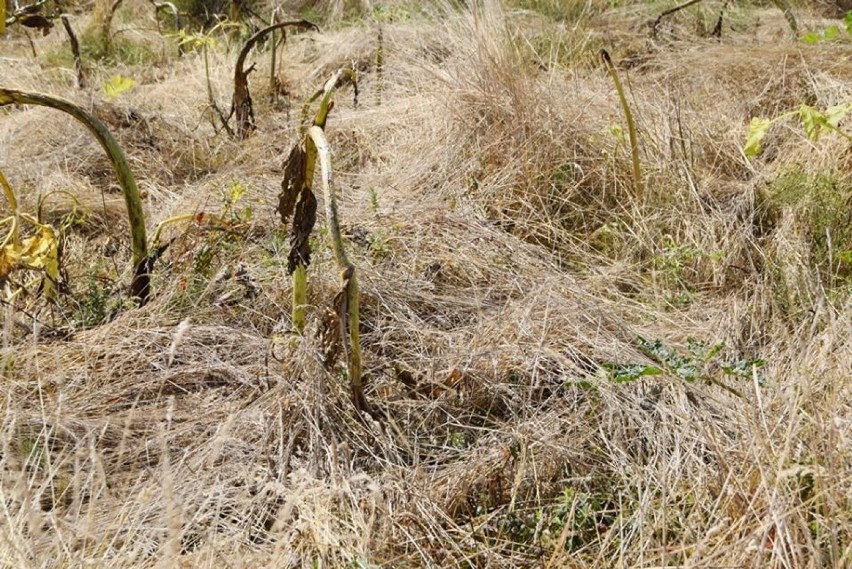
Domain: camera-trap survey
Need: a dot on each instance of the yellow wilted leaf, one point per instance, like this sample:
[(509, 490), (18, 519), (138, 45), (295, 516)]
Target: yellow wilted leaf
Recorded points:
[(118, 84), (8, 261), (39, 252)]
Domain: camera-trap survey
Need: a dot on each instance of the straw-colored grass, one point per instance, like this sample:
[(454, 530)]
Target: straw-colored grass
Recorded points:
[(507, 269)]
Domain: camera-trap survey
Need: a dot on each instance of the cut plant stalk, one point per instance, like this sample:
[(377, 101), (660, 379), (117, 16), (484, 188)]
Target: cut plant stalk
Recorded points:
[(349, 306), (141, 284), (787, 8), (106, 27), (241, 103), (638, 186)]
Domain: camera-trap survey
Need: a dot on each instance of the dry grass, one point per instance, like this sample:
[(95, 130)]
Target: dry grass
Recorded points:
[(505, 267)]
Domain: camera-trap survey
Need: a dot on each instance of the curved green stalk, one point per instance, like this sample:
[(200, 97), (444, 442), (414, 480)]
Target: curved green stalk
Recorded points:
[(326, 94), (140, 286), (631, 126), (317, 144)]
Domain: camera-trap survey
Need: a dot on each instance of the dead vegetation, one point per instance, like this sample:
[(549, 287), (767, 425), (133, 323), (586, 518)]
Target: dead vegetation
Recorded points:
[(563, 371)]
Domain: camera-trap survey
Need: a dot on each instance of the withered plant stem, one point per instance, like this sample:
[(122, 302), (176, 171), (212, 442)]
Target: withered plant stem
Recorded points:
[(241, 103)]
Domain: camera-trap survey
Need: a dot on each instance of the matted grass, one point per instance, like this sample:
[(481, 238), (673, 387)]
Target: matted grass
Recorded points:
[(507, 273)]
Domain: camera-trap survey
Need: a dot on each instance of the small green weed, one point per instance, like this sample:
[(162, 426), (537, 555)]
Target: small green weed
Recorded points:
[(814, 122), (832, 32), (698, 362), (823, 201)]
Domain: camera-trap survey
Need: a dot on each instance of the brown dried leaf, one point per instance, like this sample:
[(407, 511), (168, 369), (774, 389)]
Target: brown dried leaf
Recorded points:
[(292, 184), (304, 217)]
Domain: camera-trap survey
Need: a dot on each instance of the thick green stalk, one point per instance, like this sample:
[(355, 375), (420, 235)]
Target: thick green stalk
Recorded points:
[(300, 297), (140, 287), (638, 186), (350, 310)]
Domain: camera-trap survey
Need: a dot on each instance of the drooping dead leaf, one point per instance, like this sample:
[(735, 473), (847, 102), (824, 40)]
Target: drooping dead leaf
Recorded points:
[(292, 184), (304, 218), (39, 252)]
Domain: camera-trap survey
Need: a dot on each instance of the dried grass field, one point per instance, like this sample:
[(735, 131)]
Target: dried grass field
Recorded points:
[(577, 350)]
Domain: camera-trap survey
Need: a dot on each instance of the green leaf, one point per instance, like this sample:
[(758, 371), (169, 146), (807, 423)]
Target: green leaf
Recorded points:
[(617, 132), (742, 368), (830, 33), (848, 21), (756, 131), (811, 38), (624, 373), (836, 113), (845, 257), (689, 372), (118, 84), (813, 121)]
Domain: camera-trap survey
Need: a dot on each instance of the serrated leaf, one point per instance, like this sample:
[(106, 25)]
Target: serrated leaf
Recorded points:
[(742, 368), (39, 252), (756, 131), (620, 373)]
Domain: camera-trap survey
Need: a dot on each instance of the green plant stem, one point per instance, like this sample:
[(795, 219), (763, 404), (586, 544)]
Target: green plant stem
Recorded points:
[(326, 96), (140, 286), (300, 297), (842, 133), (638, 186), (350, 311)]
